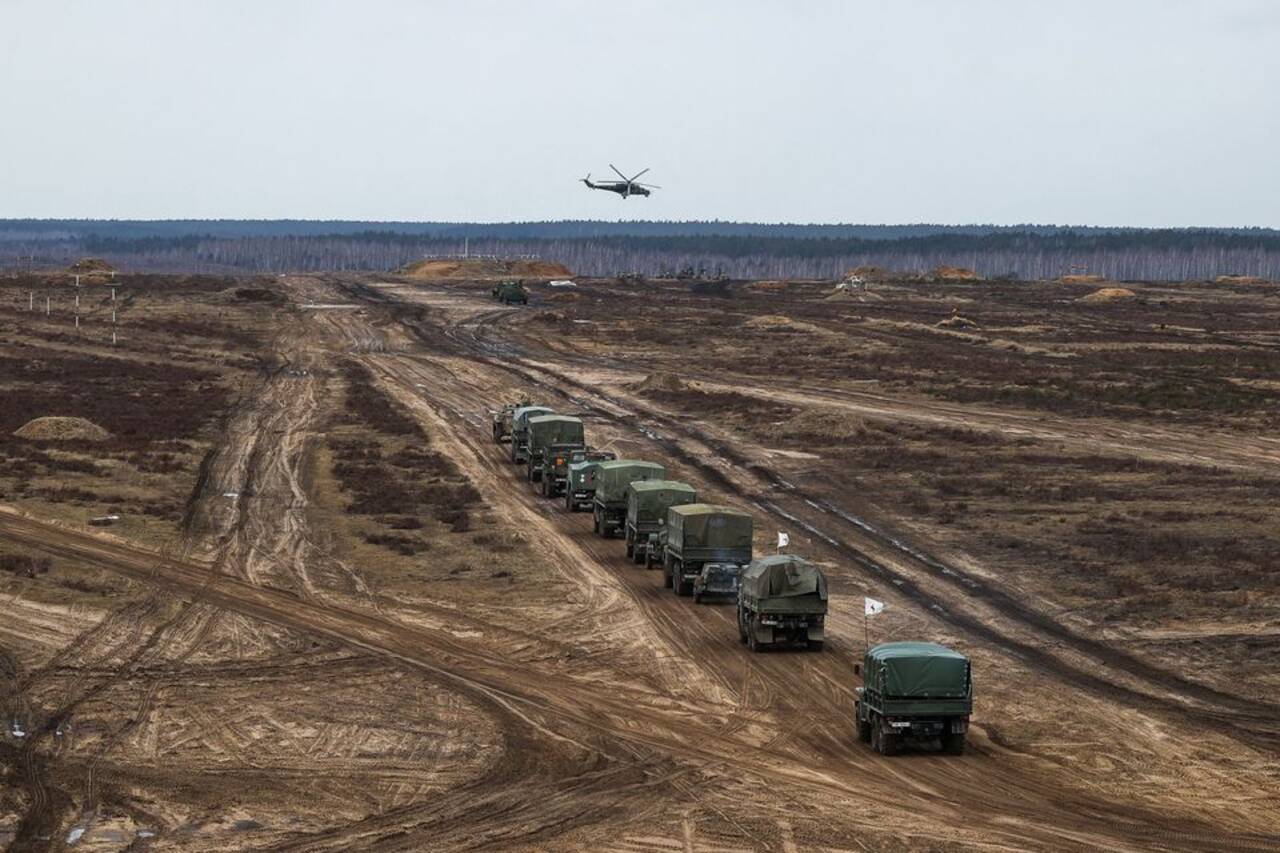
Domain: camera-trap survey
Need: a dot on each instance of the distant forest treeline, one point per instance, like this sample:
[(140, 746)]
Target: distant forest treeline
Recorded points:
[(739, 250)]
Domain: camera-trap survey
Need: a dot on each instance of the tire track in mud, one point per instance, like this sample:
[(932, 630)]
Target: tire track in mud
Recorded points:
[(1244, 722), (612, 718)]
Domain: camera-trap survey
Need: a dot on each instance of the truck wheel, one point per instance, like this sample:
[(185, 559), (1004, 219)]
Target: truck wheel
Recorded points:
[(953, 744), (742, 627), (860, 725), (631, 551), (888, 742), (752, 643), (666, 571), (697, 598), (815, 645), (639, 555), (677, 582)]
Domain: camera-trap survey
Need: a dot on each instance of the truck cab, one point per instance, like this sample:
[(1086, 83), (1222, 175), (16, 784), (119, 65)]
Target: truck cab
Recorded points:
[(913, 691), (580, 477)]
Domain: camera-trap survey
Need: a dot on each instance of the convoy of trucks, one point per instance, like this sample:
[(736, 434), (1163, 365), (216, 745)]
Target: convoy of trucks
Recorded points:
[(912, 691)]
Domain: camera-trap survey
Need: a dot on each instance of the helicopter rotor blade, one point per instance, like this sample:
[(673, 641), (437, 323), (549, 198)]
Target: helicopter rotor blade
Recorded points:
[(620, 175), (649, 186), (637, 174)]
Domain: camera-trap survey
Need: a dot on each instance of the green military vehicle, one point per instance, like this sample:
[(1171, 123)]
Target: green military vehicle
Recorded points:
[(520, 430), (610, 500), (913, 690), (694, 535), (647, 505), (550, 438), (782, 599), (501, 420), (580, 481), (511, 292)]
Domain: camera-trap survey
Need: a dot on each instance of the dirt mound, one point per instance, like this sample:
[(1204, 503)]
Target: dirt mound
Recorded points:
[(1109, 294), (562, 296), (866, 272), (956, 321), (769, 321), (1082, 279), (946, 273), (62, 429), (662, 382), (484, 268), (817, 427), (1239, 279), (89, 265)]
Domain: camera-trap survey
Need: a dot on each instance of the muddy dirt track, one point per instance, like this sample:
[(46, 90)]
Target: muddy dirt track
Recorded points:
[(269, 690)]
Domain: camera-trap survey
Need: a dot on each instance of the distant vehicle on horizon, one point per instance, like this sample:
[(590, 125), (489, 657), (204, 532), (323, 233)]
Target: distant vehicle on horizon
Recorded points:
[(625, 187)]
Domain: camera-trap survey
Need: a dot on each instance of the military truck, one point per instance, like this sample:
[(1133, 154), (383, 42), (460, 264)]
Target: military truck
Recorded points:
[(647, 505), (782, 599), (511, 292), (520, 430), (580, 481), (501, 420), (609, 503), (550, 438), (694, 535), (913, 690)]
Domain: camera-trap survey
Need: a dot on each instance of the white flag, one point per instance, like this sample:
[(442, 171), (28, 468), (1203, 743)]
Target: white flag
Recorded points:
[(871, 607), (783, 539)]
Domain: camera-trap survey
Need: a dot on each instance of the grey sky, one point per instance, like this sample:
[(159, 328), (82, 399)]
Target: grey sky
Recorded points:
[(1143, 112)]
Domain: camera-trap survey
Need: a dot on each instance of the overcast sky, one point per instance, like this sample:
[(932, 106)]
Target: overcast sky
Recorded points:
[(1109, 112)]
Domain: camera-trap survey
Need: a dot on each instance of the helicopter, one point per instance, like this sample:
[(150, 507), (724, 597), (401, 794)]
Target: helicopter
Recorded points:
[(625, 187)]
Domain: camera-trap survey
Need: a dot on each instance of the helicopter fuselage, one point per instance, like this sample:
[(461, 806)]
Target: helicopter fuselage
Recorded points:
[(618, 187)]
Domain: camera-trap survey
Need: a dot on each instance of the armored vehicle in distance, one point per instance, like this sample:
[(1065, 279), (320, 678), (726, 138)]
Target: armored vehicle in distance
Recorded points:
[(550, 438), (782, 599), (501, 420), (511, 292), (520, 430), (580, 480), (610, 500), (913, 690), (647, 505), (697, 534)]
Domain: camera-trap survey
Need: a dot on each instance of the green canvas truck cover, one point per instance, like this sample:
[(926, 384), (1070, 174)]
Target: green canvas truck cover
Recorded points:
[(648, 500), (612, 478), (709, 526), (918, 670), (784, 576), (522, 413), (546, 430)]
